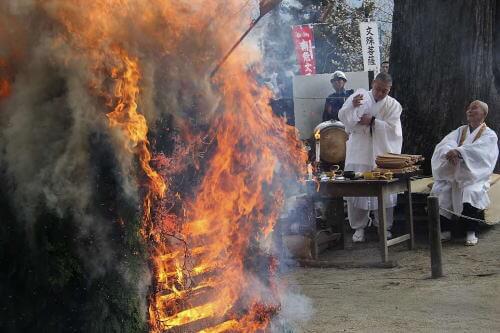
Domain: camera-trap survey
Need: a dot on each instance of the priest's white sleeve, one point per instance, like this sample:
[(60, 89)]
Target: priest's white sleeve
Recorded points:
[(478, 159), (347, 114), (350, 115), (387, 132), (441, 168)]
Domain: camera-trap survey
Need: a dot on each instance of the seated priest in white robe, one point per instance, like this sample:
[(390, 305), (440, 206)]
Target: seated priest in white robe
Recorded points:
[(372, 119), (462, 164)]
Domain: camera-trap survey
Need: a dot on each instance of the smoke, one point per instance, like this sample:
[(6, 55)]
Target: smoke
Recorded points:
[(296, 310), (64, 87), (46, 140), (96, 86)]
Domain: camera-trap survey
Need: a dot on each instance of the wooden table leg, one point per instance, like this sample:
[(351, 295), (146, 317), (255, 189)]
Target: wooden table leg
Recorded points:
[(409, 216), (338, 206), (382, 226)]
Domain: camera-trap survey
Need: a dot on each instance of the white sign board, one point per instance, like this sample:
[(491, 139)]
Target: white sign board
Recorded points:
[(310, 93), (370, 46)]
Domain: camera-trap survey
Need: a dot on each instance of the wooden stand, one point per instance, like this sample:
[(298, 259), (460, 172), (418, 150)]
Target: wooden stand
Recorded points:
[(337, 189)]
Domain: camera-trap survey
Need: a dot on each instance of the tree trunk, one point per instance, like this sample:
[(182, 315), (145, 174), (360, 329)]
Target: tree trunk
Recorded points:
[(444, 55)]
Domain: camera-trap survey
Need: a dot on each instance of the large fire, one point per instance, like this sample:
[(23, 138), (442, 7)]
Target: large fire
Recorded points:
[(211, 271)]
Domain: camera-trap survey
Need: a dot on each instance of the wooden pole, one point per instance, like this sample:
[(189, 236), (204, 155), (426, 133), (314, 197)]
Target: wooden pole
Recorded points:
[(264, 6), (216, 69), (435, 237)]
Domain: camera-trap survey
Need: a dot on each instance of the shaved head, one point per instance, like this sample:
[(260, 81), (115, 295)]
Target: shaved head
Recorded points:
[(482, 105), (385, 78)]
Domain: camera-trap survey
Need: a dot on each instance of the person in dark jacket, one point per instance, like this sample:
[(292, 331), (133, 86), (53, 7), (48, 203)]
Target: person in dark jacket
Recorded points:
[(335, 101)]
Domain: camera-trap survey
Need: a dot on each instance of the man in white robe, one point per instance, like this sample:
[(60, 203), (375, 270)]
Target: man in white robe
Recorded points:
[(372, 119), (462, 164)]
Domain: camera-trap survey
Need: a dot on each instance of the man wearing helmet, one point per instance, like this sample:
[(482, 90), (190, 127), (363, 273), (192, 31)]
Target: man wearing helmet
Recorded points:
[(335, 101)]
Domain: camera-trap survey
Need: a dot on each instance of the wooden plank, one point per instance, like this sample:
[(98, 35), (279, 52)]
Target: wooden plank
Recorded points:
[(325, 237), (363, 181), (348, 189), (323, 240), (398, 240), (354, 189), (397, 187), (298, 246)]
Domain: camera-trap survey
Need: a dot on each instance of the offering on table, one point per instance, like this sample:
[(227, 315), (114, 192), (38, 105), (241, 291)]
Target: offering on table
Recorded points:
[(397, 163)]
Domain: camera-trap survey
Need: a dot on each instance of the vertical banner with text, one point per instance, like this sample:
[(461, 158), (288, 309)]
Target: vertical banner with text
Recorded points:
[(303, 38), (370, 46)]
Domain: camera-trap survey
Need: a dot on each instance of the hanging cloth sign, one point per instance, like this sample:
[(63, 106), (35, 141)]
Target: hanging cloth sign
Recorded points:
[(303, 38), (370, 46)]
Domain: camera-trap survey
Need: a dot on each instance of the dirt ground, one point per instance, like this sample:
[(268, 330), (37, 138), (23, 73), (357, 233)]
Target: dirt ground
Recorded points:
[(405, 298)]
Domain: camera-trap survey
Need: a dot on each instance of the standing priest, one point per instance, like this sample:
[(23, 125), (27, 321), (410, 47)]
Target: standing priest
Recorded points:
[(372, 119), (462, 164)]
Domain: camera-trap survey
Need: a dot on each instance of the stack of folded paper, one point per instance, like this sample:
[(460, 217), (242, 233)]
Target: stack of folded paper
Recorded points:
[(397, 163)]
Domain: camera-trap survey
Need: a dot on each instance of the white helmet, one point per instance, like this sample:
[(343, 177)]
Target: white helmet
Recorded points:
[(338, 75)]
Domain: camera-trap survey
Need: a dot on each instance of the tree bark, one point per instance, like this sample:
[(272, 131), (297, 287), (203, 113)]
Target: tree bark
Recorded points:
[(444, 55)]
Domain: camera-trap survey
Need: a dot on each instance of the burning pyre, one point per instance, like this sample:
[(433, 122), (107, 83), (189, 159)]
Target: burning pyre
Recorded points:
[(205, 157)]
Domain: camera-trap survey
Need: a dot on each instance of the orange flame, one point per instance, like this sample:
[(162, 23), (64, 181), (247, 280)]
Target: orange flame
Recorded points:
[(231, 211), (133, 125), (201, 253)]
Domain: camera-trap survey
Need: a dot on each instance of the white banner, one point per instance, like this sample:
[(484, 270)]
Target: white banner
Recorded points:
[(370, 46)]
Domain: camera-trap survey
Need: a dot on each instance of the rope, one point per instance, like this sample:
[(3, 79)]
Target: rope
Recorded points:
[(322, 98), (462, 216)]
